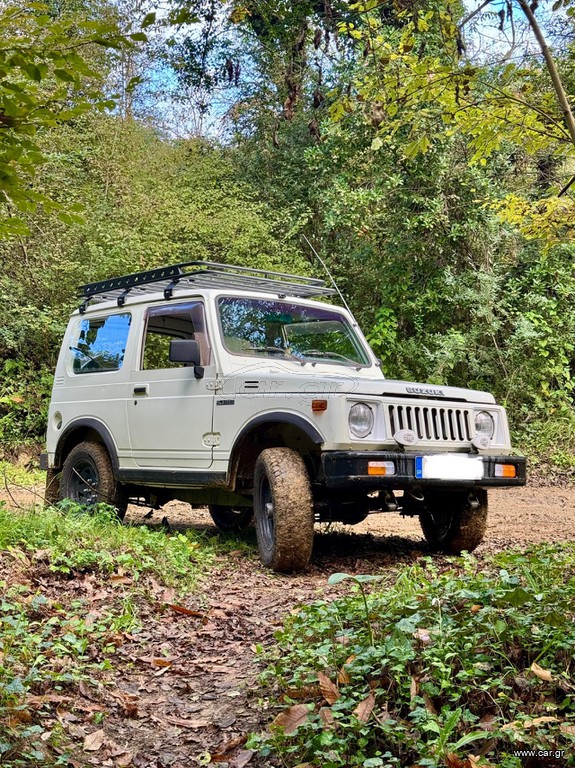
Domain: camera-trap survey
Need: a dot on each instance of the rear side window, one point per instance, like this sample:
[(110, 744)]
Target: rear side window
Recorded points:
[(99, 344)]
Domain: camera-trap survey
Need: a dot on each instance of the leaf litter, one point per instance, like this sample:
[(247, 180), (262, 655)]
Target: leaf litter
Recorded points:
[(205, 702)]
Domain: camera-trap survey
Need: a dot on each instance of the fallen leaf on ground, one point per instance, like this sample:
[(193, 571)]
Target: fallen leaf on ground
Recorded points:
[(84, 689), (94, 741), (291, 718), (343, 676), (51, 698), (120, 579), (227, 746), (568, 729), (452, 761), (518, 724), (429, 705), (241, 758), (365, 708), (19, 716), (542, 674), (158, 661), (306, 692), (329, 690), (487, 722), (185, 611), (540, 721), (327, 717), (183, 723)]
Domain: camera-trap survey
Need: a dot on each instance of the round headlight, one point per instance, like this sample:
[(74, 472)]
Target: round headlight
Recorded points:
[(484, 424), (360, 420)]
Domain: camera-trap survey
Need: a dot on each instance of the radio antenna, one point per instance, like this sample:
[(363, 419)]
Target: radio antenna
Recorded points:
[(328, 273)]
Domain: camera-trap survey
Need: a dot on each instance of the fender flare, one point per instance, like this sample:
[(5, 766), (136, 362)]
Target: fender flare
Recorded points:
[(281, 418), (97, 426)]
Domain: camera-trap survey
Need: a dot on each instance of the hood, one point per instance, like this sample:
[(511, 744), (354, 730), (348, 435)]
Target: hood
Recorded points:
[(277, 379), (394, 388)]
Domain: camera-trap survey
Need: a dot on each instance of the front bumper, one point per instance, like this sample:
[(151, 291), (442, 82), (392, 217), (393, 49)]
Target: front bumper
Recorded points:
[(349, 470)]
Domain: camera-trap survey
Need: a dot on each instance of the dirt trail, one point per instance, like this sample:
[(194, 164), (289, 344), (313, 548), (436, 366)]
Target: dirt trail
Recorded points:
[(204, 701)]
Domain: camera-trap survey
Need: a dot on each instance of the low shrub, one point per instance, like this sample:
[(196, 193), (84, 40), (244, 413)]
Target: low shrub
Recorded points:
[(446, 665)]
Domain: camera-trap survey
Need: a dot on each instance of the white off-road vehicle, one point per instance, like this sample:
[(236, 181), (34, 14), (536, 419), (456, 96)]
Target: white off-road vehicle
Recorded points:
[(233, 388)]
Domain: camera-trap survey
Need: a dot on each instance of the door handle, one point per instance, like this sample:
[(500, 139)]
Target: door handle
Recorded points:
[(142, 389)]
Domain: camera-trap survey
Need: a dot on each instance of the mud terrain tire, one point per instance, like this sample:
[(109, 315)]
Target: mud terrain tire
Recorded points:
[(88, 478), (52, 492), (449, 522), (283, 507)]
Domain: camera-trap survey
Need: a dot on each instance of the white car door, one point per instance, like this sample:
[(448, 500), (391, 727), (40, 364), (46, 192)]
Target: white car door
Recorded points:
[(170, 412)]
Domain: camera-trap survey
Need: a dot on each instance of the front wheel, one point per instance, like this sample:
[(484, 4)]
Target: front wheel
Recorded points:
[(283, 507), (231, 519), (453, 521), (88, 478)]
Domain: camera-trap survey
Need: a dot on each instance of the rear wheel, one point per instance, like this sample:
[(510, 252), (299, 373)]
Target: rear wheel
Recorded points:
[(88, 478), (283, 506), (453, 521), (230, 519)]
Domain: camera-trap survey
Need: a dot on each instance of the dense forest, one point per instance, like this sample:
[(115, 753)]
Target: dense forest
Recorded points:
[(426, 149)]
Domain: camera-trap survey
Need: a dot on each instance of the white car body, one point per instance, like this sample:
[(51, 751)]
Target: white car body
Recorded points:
[(195, 431)]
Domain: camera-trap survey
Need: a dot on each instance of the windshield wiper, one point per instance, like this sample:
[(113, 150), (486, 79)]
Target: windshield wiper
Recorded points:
[(335, 356)]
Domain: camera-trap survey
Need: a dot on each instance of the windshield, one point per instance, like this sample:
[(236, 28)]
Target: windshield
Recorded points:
[(289, 331)]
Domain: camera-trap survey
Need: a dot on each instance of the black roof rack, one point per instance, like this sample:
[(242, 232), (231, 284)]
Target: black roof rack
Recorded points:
[(203, 274)]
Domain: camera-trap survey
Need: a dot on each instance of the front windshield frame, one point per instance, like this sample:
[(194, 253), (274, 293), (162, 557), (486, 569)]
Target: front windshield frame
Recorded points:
[(262, 342)]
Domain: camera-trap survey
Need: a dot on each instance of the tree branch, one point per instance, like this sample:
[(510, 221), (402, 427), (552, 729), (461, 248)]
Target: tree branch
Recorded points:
[(553, 72), (469, 16)]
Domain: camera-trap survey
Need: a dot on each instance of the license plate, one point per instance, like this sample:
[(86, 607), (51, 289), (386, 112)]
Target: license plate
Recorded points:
[(448, 467)]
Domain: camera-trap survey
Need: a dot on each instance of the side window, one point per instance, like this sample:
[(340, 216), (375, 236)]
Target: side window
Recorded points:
[(100, 343), (179, 321)]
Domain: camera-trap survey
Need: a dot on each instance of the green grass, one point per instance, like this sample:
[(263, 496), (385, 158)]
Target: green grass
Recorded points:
[(441, 660), (20, 475), (72, 541)]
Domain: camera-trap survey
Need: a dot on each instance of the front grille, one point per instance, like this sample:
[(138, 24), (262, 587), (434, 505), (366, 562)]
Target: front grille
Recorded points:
[(432, 423)]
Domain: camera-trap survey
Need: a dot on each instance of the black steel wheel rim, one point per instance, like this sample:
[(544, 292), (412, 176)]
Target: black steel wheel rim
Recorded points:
[(84, 482), (266, 516), (442, 522)]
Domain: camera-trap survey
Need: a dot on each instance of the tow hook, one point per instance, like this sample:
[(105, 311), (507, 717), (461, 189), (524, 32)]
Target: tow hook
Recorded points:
[(388, 501), (473, 502)]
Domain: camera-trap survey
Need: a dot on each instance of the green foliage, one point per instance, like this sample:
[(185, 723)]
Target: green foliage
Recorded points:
[(51, 640), (444, 290), (147, 202), (45, 647), (444, 661), (75, 542), (48, 75)]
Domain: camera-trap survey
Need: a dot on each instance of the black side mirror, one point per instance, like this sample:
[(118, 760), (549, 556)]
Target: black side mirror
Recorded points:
[(187, 351)]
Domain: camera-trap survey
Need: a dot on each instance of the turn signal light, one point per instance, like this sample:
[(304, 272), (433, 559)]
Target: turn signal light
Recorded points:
[(380, 468), (505, 470), (318, 406)]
